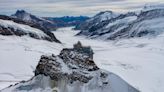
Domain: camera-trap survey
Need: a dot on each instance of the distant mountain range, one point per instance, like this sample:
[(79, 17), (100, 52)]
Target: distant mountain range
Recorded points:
[(50, 23), (110, 26), (67, 20), (106, 25)]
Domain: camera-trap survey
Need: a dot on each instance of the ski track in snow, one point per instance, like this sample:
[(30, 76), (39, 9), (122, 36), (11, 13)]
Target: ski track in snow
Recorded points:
[(138, 61)]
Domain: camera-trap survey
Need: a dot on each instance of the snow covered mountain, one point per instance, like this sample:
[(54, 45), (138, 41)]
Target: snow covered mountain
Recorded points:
[(25, 16), (8, 27), (147, 23), (73, 70), (105, 15), (98, 18)]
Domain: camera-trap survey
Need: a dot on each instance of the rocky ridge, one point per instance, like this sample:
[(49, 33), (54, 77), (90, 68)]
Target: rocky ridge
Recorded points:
[(7, 28)]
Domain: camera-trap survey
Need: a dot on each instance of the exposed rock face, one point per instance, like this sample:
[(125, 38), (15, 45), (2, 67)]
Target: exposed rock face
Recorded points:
[(73, 70), (79, 59)]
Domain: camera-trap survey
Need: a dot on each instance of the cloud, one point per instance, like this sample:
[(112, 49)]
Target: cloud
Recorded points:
[(71, 7)]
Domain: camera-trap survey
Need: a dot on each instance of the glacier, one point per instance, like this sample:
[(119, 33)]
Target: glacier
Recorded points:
[(138, 61)]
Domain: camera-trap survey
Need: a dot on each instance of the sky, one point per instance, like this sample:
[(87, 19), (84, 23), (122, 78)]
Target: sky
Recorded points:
[(56, 8)]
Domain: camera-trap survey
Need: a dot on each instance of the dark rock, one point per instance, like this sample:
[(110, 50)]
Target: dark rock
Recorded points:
[(75, 59)]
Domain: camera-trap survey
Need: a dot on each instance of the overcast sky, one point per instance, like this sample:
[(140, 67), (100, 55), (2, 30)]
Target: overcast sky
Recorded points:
[(72, 7)]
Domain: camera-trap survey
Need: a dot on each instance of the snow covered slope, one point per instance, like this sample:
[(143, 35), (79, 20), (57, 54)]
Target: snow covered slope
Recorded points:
[(98, 18), (147, 23), (19, 57), (138, 61), (8, 27), (105, 15)]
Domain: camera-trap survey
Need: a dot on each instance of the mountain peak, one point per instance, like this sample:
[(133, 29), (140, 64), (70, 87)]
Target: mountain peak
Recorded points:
[(30, 18), (20, 11), (105, 15), (103, 12), (22, 14)]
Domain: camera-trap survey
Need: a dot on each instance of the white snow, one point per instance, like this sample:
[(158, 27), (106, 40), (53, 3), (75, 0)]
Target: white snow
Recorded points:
[(38, 84), (138, 61), (24, 28), (19, 57), (27, 17)]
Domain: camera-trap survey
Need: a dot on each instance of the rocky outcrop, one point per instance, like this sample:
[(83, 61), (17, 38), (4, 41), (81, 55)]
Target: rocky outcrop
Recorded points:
[(73, 70), (78, 59)]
